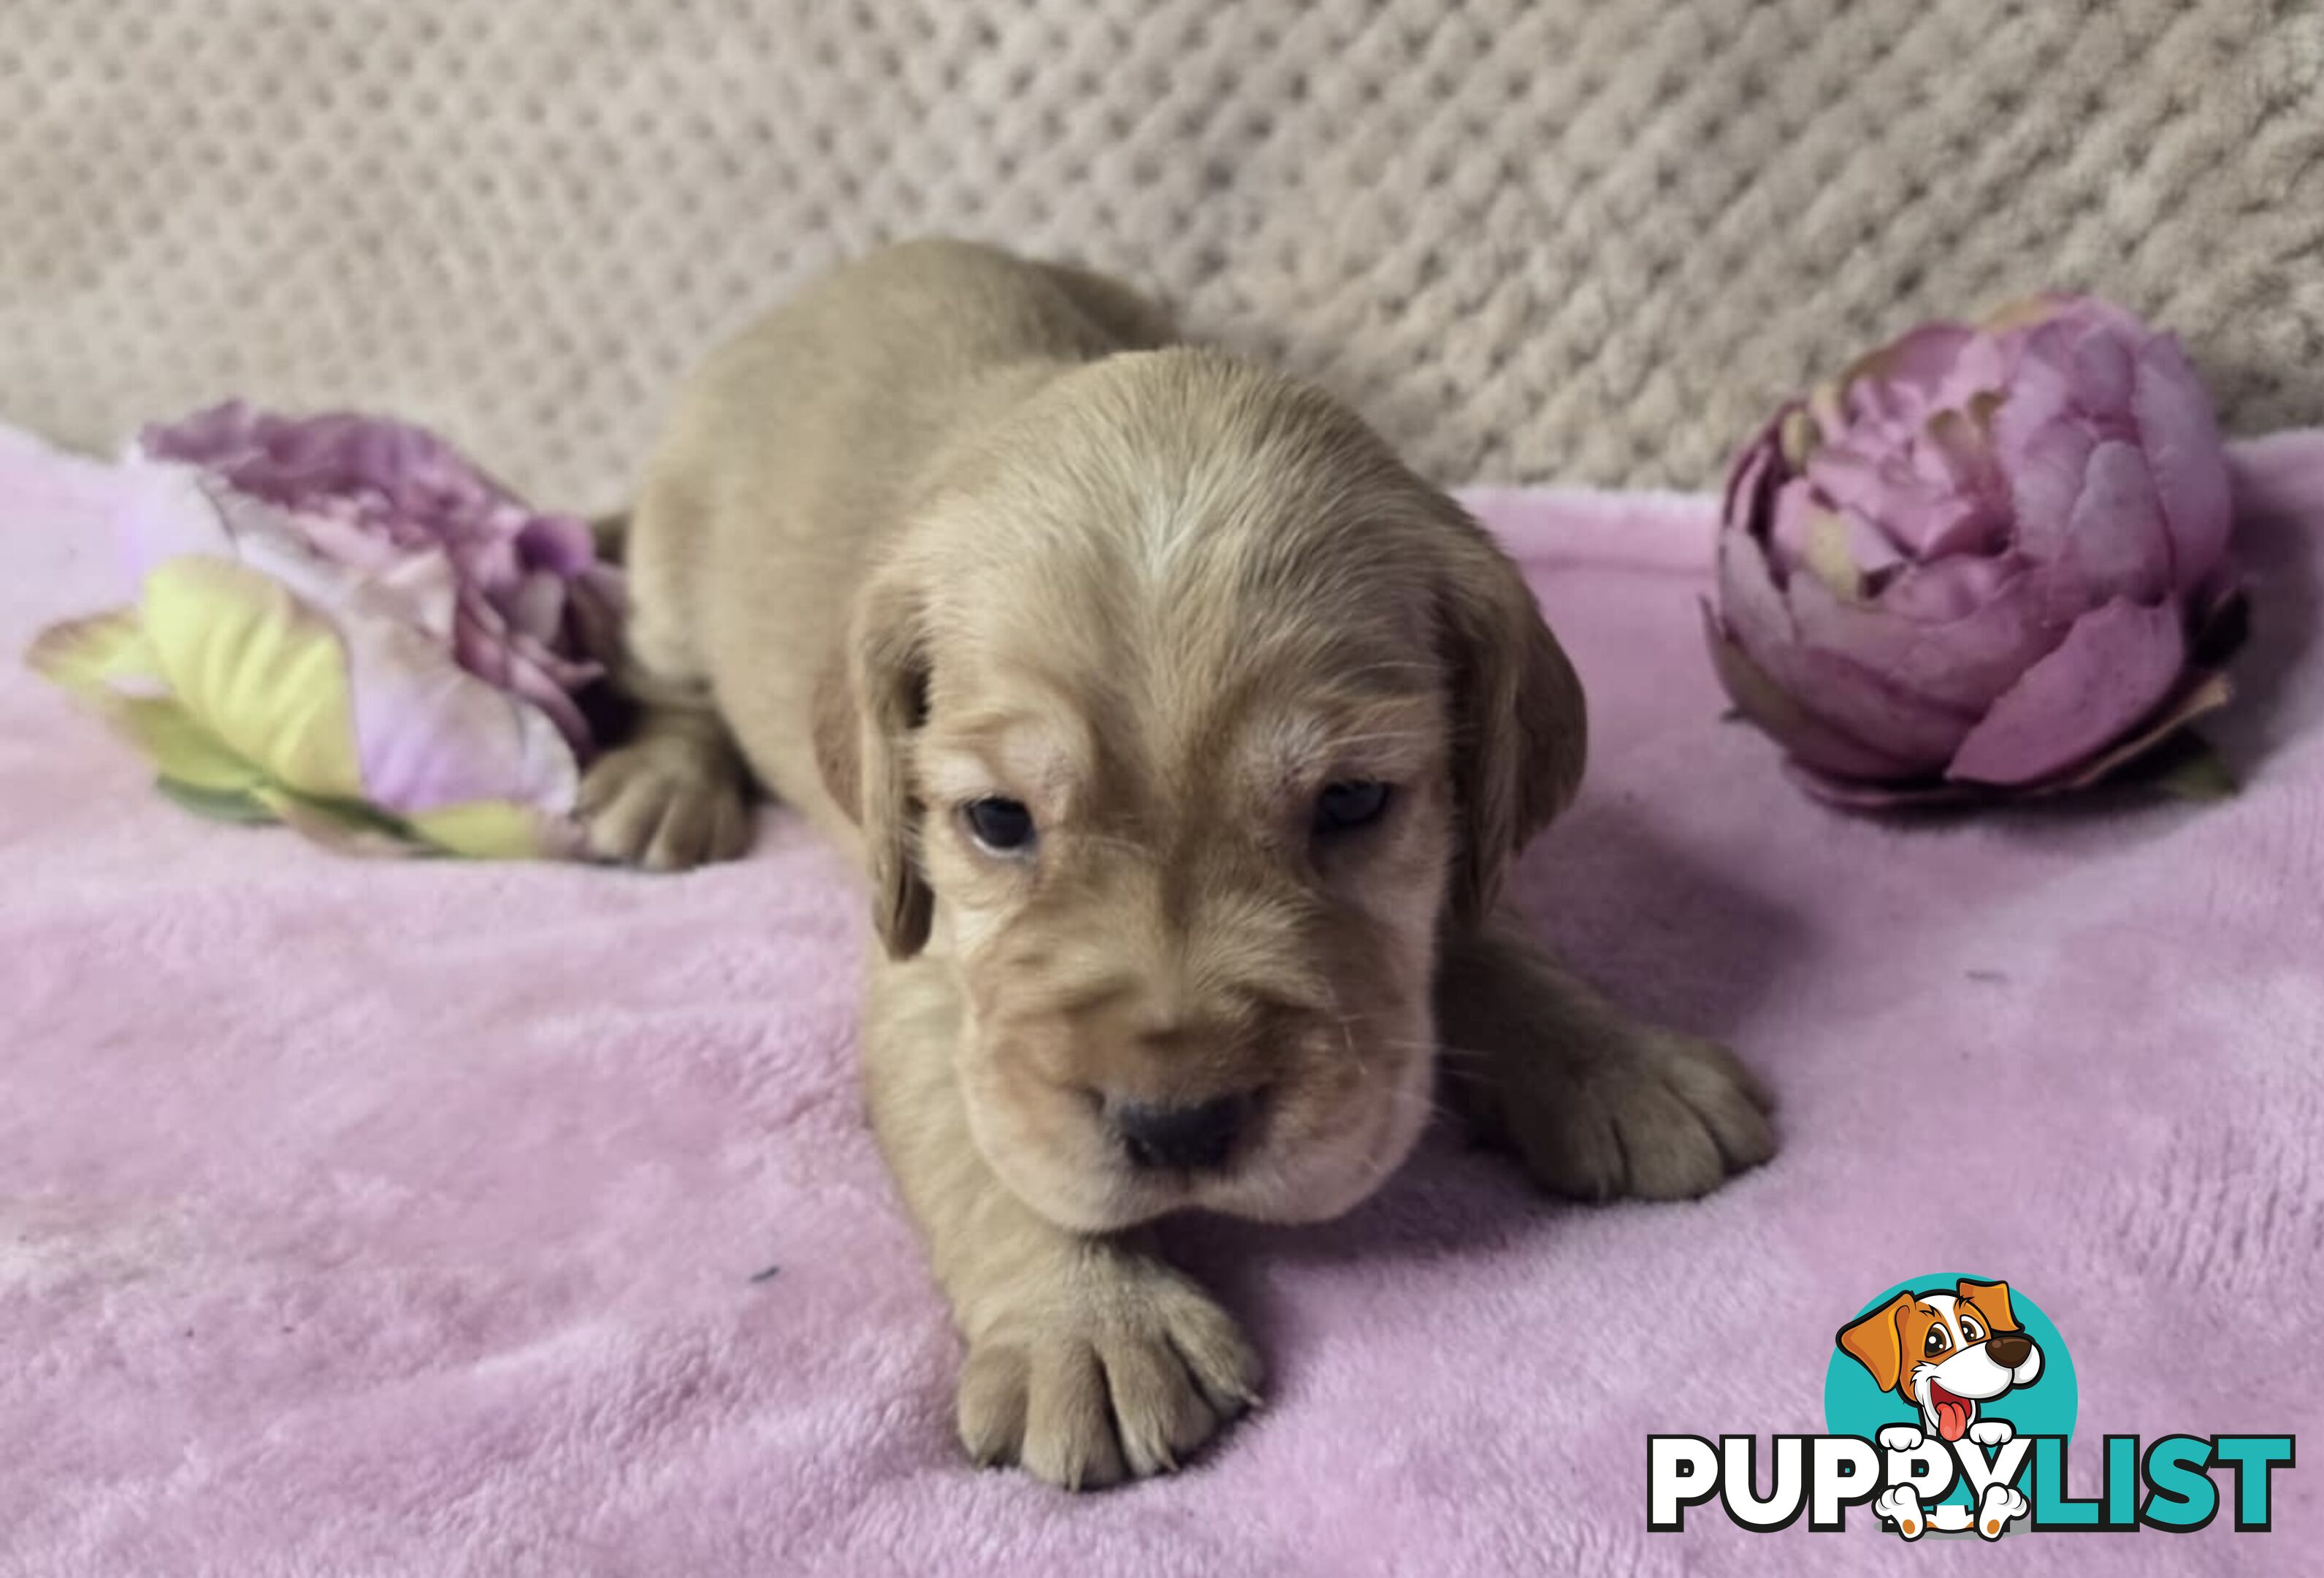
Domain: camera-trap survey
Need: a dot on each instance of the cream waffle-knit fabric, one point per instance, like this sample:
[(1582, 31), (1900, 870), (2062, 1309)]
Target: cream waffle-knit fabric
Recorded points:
[(1582, 240)]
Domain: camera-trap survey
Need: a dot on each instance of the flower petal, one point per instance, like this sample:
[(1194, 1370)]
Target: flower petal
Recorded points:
[(561, 544), (257, 669), (2045, 467), (101, 656), (1861, 795), (1960, 663), (2200, 692), (1807, 737), (2116, 539), (497, 830), (182, 749), (2181, 439), (1953, 587), (330, 503), (2101, 363), (431, 735), (1860, 702), (2113, 667), (1870, 475), (341, 826), (1918, 362), (1755, 469), (1750, 603), (106, 663), (1838, 549), (162, 513), (2040, 388), (1853, 714)]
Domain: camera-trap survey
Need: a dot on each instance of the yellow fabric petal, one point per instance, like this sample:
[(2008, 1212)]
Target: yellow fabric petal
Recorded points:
[(182, 749), (106, 663), (257, 669), (486, 830), (90, 657)]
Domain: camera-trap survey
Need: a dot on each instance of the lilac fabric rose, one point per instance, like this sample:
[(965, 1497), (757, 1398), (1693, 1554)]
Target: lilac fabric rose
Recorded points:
[(339, 623), (1986, 562), (531, 603)]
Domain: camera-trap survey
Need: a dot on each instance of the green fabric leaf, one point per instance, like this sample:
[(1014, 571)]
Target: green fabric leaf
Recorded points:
[(347, 826), (216, 805), (2193, 771)]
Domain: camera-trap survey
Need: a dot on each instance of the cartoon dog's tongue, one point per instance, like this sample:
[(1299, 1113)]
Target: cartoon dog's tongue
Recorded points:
[(1952, 1413)]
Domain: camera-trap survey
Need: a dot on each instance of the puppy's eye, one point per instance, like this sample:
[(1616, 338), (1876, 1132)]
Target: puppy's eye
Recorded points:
[(1002, 825), (1343, 808), (1971, 1331), (1937, 1343)]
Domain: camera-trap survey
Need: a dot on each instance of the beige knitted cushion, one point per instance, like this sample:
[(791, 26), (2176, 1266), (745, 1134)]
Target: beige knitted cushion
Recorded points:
[(1576, 239)]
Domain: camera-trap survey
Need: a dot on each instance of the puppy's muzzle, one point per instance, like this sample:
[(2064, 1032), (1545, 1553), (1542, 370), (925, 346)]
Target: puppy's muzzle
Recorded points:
[(1190, 1137), (2009, 1349)]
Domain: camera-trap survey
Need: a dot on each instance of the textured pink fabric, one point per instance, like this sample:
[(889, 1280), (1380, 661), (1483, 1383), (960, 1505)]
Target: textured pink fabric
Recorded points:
[(402, 1218)]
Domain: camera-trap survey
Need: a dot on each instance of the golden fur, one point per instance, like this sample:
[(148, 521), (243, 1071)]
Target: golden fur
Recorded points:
[(951, 525)]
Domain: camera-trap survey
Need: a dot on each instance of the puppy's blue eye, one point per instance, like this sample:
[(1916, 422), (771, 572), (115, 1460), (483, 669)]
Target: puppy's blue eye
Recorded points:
[(1344, 807), (1002, 826)]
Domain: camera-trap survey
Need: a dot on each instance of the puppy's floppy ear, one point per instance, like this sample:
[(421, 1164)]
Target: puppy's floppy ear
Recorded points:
[(1520, 728), (1876, 1341), (868, 701), (1991, 1300)]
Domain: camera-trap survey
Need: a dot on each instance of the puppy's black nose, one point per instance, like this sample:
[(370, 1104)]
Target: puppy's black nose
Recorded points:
[(1158, 1134), (2009, 1349)]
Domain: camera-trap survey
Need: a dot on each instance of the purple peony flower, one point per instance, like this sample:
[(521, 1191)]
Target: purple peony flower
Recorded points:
[(1987, 561)]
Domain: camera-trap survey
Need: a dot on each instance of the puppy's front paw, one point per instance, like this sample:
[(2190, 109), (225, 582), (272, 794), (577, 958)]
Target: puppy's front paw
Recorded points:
[(1901, 1437), (1665, 1117), (1992, 1433), (660, 805), (1123, 1372)]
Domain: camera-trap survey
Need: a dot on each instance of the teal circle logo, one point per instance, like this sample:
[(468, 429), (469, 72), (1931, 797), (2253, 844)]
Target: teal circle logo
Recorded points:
[(1890, 1363)]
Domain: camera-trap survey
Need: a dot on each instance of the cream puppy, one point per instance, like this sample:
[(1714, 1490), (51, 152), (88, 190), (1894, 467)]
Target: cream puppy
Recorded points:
[(1184, 737)]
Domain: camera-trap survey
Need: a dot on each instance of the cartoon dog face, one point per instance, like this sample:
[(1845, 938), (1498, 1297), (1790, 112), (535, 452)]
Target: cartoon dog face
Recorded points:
[(1945, 1352)]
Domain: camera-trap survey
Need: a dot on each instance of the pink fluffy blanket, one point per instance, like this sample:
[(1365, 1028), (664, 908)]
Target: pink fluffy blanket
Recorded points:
[(437, 1218)]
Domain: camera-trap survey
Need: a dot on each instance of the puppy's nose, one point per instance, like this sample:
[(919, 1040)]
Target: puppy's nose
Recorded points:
[(2009, 1349), (1157, 1134)]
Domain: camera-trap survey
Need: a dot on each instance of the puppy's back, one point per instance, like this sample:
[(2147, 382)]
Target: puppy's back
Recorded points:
[(797, 446)]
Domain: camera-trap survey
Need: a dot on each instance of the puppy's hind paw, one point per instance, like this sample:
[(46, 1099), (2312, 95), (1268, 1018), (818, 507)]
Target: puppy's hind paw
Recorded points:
[(1122, 1378), (665, 803)]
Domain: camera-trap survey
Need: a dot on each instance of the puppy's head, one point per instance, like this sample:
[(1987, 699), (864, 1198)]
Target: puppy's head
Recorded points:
[(1185, 715)]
